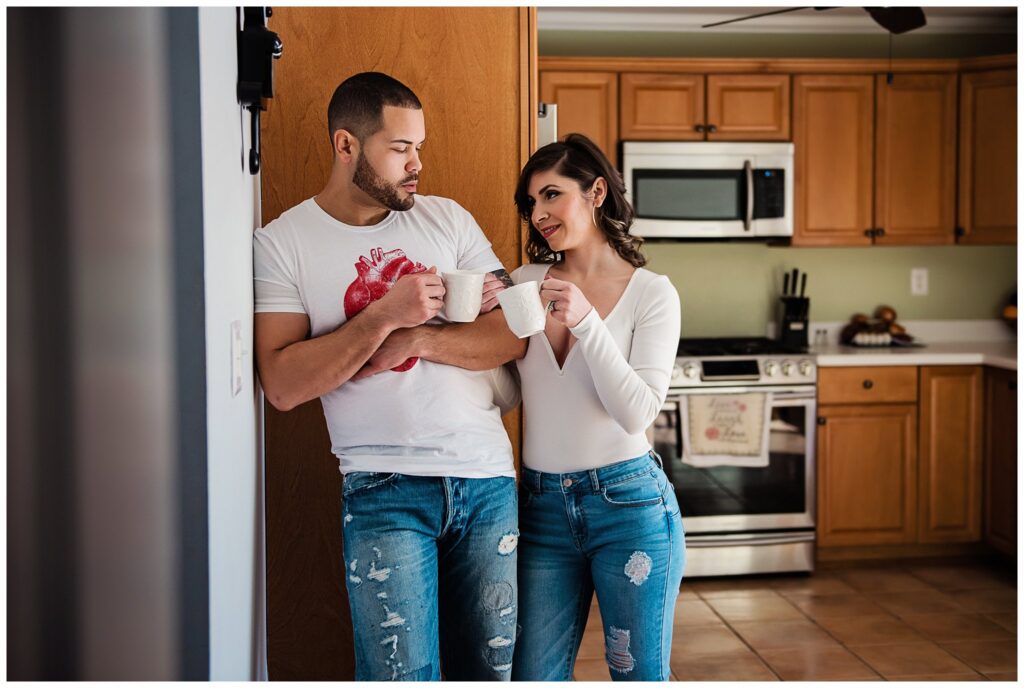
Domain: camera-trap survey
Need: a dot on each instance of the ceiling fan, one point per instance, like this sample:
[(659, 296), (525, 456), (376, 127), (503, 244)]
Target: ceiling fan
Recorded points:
[(892, 19)]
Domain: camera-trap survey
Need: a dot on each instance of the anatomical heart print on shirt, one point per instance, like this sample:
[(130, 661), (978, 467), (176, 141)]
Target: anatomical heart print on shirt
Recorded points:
[(374, 278)]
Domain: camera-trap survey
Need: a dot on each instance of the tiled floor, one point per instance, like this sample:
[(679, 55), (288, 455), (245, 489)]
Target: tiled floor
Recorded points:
[(946, 620)]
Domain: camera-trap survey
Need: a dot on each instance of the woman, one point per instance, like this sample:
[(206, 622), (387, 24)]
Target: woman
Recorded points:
[(596, 512)]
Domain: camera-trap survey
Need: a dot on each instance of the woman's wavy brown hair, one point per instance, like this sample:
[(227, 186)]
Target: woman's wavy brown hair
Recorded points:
[(577, 158)]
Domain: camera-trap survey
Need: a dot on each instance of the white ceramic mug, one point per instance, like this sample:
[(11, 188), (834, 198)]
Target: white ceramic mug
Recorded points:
[(524, 312), (463, 291)]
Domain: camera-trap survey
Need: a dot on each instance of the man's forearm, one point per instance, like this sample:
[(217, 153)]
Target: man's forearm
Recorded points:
[(482, 344), (309, 369)]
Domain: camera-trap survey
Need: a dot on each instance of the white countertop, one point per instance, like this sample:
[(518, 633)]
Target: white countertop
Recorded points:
[(1000, 354)]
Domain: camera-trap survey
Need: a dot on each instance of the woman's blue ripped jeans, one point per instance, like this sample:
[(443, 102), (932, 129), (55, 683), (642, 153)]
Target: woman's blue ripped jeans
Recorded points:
[(615, 530), (430, 568)]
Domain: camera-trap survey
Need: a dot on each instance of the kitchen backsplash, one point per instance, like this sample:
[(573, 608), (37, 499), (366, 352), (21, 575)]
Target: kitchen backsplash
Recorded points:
[(732, 289)]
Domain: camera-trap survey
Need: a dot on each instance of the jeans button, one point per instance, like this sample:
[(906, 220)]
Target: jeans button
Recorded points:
[(567, 482)]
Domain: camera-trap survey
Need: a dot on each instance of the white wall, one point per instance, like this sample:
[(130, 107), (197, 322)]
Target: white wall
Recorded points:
[(230, 213)]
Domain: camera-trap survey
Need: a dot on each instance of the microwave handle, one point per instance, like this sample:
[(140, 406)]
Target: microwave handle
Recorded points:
[(748, 169)]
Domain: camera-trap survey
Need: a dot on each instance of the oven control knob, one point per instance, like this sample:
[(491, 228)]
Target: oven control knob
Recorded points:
[(771, 368), (691, 370), (806, 367), (677, 372), (787, 368)]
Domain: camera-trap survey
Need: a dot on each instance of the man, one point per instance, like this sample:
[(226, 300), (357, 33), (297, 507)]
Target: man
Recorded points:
[(344, 282)]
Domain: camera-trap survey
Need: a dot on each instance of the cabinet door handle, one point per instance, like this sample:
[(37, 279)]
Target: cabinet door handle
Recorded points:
[(822, 420), (698, 128), (712, 128), (868, 384), (880, 231)]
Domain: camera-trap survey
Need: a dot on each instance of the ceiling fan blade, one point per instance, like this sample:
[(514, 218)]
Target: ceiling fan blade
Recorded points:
[(898, 19), (754, 16)]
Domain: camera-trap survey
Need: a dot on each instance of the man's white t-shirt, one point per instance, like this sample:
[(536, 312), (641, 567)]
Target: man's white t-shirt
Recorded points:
[(430, 419)]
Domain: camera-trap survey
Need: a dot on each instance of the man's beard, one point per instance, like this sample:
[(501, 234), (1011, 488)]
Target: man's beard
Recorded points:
[(379, 189)]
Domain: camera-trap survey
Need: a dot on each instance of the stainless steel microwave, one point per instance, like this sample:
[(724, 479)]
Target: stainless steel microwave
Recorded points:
[(699, 190)]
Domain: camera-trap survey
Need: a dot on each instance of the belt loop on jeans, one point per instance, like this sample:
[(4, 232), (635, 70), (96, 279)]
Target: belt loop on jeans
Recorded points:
[(594, 482)]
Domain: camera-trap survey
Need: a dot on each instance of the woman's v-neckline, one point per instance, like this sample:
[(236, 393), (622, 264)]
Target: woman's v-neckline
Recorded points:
[(572, 346)]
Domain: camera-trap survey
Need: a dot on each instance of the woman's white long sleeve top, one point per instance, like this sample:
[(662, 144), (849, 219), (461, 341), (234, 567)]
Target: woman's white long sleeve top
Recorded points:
[(595, 410)]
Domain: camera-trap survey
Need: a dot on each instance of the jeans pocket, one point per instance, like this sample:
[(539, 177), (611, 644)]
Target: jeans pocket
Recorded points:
[(644, 490), (360, 481)]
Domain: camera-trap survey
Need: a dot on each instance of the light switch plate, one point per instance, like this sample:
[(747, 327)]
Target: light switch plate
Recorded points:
[(236, 357), (919, 281)]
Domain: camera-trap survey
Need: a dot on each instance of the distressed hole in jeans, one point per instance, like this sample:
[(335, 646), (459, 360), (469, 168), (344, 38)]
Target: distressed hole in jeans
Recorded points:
[(499, 653), (497, 595), (508, 543), (638, 568), (616, 650)]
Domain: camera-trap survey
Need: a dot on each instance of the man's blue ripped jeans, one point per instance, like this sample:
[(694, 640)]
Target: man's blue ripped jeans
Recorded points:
[(431, 562), (616, 530)]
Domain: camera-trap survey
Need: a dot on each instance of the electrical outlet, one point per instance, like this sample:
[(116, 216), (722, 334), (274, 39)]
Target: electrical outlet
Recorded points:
[(919, 281)]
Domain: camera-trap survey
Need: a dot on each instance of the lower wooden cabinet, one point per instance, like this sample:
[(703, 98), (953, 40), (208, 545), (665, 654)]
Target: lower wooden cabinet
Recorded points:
[(950, 454), (1001, 460), (867, 478), (905, 466)]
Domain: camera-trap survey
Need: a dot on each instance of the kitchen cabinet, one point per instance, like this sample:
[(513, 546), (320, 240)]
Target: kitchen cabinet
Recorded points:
[(833, 140), (588, 104), (695, 107), (915, 159), (988, 157), (875, 162), (950, 454), (866, 474), (867, 461), (1001, 460), (899, 455)]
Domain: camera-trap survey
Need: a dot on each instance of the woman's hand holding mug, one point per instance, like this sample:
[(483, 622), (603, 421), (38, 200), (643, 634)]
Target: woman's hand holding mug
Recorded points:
[(566, 302)]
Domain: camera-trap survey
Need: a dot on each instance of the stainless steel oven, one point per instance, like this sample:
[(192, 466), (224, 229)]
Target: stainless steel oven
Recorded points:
[(742, 520)]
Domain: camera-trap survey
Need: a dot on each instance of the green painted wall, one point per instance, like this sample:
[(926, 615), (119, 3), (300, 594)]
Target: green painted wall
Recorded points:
[(731, 289), (861, 45)]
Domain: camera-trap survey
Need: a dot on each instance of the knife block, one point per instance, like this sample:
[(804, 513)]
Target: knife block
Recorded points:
[(795, 312)]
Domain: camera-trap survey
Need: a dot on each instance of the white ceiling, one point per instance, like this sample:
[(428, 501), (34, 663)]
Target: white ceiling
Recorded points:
[(944, 20)]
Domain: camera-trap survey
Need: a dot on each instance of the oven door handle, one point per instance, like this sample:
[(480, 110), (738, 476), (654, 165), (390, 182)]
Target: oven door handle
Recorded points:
[(748, 170), (697, 540)]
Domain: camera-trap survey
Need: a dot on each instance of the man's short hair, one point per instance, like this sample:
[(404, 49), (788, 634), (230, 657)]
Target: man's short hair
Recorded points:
[(357, 105)]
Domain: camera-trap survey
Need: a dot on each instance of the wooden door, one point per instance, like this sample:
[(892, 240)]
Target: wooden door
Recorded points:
[(662, 107), (988, 157), (587, 104), (950, 452), (915, 159), (833, 137), (866, 474), (457, 60), (1001, 460), (748, 107)]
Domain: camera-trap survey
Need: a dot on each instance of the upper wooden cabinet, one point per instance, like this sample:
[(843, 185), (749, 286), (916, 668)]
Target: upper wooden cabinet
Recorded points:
[(915, 159), (833, 141), (694, 107), (875, 162), (663, 107), (748, 107), (588, 104), (988, 157)]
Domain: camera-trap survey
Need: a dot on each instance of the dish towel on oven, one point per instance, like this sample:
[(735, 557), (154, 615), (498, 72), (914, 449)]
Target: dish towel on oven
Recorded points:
[(726, 429)]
